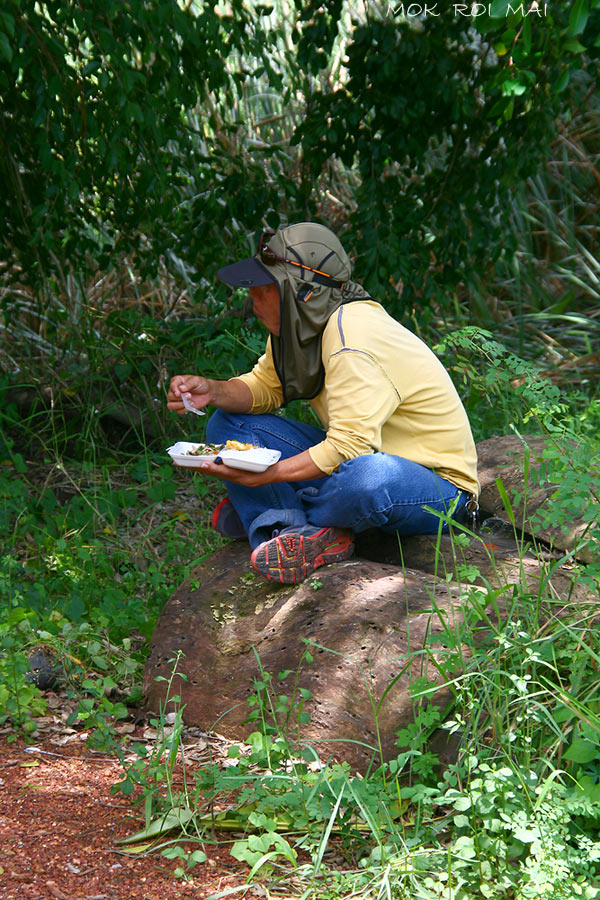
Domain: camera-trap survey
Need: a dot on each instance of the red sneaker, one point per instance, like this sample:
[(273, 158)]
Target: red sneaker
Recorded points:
[(226, 521), (293, 555)]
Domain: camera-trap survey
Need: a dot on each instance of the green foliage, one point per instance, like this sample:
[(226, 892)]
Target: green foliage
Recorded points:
[(97, 130), (70, 586), (501, 391), (503, 821), (141, 146), (514, 837), (443, 114), (166, 133)]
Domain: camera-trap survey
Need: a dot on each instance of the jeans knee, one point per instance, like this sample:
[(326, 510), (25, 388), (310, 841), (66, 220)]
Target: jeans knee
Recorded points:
[(218, 427), (364, 474)]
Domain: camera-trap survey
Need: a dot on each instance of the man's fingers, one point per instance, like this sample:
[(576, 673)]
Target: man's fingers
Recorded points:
[(185, 384)]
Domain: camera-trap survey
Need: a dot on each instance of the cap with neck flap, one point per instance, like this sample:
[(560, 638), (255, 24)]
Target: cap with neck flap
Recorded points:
[(312, 272)]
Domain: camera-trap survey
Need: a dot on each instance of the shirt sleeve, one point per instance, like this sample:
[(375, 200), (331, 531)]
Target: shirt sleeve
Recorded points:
[(264, 384), (360, 399)]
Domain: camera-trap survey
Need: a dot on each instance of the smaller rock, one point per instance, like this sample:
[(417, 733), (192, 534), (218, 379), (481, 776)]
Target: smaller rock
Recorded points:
[(42, 675)]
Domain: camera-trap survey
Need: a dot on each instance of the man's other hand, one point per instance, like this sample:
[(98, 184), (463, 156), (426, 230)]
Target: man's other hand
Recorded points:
[(195, 386)]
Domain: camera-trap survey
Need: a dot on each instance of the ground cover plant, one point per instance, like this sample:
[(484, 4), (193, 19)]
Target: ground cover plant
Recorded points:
[(471, 210), (516, 816)]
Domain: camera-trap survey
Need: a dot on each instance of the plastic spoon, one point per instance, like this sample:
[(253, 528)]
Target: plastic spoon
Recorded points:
[(190, 408)]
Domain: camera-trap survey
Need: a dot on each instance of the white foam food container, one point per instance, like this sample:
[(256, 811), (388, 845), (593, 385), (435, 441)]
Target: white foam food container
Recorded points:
[(256, 460), (180, 453)]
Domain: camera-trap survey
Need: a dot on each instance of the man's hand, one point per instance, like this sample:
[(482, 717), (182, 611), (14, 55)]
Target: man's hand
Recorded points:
[(232, 396), (295, 468), (235, 476), (195, 386)]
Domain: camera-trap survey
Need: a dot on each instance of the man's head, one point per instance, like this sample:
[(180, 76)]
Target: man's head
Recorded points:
[(299, 276), (304, 254)]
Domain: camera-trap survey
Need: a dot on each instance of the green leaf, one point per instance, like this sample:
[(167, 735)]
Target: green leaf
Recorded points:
[(579, 16), (175, 818), (499, 9), (92, 66), (574, 47), (582, 751), (122, 370), (506, 501), (5, 48), (562, 82), (127, 787), (173, 853), (512, 88), (161, 491), (527, 35)]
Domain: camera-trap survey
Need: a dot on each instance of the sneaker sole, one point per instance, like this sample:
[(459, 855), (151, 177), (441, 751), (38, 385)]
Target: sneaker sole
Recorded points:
[(291, 558)]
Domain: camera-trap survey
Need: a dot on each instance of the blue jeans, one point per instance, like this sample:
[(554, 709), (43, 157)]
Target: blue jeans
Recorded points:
[(377, 490)]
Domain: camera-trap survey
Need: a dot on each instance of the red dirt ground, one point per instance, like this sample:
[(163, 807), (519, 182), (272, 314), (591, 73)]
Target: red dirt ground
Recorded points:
[(58, 827)]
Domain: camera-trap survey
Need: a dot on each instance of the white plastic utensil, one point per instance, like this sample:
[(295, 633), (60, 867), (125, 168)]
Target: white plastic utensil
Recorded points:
[(190, 408)]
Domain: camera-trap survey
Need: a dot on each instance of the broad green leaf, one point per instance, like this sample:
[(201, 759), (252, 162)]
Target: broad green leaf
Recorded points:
[(582, 751), (512, 88), (173, 853), (175, 818), (92, 66), (526, 835), (579, 16)]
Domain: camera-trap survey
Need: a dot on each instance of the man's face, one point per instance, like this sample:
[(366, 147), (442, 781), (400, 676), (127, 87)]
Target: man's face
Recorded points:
[(265, 300)]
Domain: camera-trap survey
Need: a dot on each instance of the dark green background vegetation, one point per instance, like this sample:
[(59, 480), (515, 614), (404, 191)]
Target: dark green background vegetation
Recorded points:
[(143, 145)]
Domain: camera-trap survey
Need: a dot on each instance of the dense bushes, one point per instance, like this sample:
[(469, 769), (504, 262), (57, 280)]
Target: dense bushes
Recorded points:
[(162, 131)]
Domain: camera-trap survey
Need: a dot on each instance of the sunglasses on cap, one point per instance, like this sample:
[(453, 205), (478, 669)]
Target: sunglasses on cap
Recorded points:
[(269, 258)]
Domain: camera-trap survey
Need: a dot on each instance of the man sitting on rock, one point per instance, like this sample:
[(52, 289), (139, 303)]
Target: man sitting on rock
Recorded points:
[(395, 436)]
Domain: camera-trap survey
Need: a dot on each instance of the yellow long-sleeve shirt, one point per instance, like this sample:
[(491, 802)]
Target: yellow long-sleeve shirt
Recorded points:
[(384, 390)]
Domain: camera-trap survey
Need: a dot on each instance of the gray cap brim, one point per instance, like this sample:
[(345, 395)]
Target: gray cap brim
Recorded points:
[(246, 273)]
